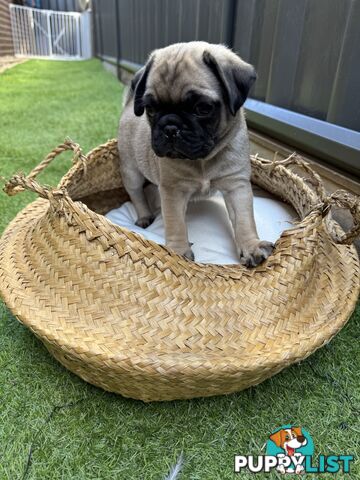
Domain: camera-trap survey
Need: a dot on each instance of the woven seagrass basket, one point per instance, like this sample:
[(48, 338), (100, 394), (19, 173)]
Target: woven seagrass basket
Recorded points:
[(133, 317)]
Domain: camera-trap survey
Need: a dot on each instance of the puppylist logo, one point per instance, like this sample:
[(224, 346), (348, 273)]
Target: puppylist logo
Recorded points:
[(290, 449)]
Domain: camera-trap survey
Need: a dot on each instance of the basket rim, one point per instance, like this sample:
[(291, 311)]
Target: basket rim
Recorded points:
[(213, 269)]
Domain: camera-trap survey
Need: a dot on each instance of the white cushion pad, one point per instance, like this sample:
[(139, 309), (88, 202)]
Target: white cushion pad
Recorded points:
[(209, 227)]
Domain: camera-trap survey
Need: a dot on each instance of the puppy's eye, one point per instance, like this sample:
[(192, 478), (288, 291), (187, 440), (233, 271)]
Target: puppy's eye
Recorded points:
[(203, 109), (150, 110)]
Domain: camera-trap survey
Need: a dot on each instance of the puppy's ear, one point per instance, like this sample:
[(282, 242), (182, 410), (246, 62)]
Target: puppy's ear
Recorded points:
[(138, 85), (235, 78), (277, 438)]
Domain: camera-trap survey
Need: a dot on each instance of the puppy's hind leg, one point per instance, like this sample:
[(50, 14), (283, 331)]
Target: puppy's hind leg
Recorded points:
[(133, 181)]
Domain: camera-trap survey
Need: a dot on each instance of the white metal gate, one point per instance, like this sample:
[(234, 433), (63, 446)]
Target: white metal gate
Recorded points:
[(46, 33)]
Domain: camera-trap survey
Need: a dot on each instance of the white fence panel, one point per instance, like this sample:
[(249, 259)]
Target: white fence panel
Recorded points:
[(46, 33)]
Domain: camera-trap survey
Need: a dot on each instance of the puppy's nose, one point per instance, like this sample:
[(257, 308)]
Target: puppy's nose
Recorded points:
[(171, 131), (301, 438)]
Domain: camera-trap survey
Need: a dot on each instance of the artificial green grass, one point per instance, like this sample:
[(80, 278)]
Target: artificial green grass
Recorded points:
[(76, 431)]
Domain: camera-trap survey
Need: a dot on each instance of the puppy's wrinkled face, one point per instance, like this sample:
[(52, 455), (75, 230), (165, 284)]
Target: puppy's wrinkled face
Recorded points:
[(188, 92), (184, 129)]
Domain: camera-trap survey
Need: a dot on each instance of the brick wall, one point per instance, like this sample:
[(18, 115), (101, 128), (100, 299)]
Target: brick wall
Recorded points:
[(6, 44)]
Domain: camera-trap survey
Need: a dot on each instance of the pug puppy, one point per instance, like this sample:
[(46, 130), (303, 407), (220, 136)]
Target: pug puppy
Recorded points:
[(183, 129)]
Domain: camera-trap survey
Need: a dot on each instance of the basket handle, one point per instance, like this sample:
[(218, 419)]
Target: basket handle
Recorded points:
[(294, 159), (20, 182), (339, 198)]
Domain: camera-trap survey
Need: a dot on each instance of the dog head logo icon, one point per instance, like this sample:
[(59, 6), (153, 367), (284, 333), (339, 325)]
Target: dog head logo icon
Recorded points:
[(289, 439), (293, 442)]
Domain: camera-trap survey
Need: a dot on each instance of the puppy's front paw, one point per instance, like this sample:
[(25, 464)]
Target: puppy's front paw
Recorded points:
[(185, 251), (256, 253), (144, 222)]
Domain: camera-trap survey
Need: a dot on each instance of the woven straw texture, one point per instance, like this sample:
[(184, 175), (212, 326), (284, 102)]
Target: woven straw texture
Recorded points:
[(133, 317)]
